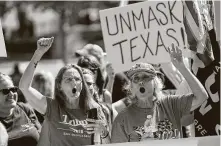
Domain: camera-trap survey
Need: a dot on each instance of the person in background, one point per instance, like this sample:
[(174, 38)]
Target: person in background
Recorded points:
[(44, 83), (114, 83), (16, 76), (3, 135), (19, 119), (90, 80), (91, 63), (153, 115), (100, 56), (66, 121)]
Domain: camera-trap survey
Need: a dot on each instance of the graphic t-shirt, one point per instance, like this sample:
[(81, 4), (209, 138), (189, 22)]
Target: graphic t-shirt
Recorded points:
[(64, 127), (130, 124), (22, 126)]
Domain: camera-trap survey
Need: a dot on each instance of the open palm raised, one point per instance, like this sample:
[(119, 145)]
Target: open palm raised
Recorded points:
[(176, 56)]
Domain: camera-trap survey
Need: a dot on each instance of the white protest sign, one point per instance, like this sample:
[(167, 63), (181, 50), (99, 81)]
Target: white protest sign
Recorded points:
[(217, 19), (2, 43), (142, 32)]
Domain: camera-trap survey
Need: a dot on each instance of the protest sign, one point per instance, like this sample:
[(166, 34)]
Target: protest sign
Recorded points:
[(142, 32), (217, 19), (2, 43)]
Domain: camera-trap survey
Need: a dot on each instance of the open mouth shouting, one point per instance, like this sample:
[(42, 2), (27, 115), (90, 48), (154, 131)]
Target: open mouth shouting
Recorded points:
[(74, 90), (142, 90)]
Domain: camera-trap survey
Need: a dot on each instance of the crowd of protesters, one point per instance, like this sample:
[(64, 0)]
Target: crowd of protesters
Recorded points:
[(56, 111), (130, 106)]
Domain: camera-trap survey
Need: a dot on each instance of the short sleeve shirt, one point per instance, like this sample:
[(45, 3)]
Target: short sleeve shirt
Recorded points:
[(22, 126), (64, 126), (129, 124)]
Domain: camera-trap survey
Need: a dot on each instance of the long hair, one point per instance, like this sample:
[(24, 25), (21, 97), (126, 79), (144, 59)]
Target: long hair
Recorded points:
[(86, 101), (158, 94), (92, 64), (104, 113)]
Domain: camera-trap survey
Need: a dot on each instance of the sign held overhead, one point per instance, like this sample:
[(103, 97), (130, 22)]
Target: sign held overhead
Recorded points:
[(142, 32)]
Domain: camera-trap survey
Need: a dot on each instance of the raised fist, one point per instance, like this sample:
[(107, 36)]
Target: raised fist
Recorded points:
[(43, 44)]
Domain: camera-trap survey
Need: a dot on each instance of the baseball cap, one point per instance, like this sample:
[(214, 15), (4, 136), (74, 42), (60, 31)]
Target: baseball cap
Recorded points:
[(141, 67), (93, 50)]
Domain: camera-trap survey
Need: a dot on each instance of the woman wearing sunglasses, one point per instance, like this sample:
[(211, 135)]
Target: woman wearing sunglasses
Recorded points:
[(153, 115), (66, 122), (19, 119)]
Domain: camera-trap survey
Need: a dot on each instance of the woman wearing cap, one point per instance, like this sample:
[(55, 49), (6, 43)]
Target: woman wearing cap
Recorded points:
[(19, 119), (152, 114), (66, 121)]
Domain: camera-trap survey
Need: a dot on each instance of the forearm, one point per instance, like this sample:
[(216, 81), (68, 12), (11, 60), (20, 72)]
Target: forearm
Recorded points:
[(34, 98), (28, 75), (110, 84), (195, 85)]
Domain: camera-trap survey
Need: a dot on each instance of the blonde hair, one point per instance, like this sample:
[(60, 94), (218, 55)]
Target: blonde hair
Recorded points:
[(158, 86)]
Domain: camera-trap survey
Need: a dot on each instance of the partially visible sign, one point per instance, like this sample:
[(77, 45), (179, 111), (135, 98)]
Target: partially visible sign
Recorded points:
[(2, 43), (217, 19)]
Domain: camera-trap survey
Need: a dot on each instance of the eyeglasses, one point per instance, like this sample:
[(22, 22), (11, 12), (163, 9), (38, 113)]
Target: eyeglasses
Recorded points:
[(90, 84), (7, 91), (137, 79)]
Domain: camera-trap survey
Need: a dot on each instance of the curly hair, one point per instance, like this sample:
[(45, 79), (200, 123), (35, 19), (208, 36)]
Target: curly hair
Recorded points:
[(158, 86)]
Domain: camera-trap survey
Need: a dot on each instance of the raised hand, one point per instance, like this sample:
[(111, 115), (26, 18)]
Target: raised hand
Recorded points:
[(43, 44), (110, 70), (176, 56)]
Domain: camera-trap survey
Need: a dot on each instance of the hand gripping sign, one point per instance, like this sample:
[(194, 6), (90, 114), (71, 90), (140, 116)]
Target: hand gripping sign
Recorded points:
[(142, 32)]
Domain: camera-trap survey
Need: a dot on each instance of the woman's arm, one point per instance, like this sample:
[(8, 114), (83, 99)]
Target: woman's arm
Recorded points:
[(111, 75), (200, 94), (107, 97), (35, 98)]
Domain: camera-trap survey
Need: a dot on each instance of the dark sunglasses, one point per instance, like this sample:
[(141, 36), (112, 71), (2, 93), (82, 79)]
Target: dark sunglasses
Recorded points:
[(7, 91)]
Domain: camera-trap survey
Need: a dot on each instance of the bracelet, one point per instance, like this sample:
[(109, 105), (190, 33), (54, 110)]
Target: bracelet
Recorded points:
[(103, 137)]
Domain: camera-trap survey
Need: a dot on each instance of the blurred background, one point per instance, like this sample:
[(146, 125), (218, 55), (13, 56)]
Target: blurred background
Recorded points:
[(72, 23)]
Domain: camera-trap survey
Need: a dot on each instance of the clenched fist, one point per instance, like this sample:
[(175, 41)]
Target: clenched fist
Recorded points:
[(43, 44)]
